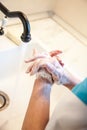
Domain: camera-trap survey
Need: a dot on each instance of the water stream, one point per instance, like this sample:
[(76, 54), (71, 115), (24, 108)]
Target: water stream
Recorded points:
[(15, 103)]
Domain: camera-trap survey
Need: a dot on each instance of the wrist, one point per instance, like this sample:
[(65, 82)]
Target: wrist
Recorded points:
[(69, 78), (42, 88), (72, 77)]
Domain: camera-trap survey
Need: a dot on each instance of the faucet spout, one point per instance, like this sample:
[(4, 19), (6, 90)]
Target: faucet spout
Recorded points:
[(26, 36)]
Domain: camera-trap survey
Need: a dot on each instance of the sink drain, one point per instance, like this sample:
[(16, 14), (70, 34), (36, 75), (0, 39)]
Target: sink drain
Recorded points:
[(4, 100)]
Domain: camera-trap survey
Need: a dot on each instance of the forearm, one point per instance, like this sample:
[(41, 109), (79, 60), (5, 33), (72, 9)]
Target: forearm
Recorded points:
[(72, 79), (37, 114)]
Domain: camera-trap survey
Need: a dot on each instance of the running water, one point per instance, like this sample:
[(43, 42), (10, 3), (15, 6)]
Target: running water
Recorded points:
[(22, 53), (18, 85)]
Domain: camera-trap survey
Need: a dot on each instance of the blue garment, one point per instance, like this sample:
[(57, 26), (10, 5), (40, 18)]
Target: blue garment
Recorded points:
[(80, 91)]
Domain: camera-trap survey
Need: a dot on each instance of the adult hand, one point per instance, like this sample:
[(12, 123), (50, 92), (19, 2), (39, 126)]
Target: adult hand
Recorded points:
[(48, 61)]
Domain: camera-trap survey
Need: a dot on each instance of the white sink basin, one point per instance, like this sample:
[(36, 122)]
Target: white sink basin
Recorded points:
[(16, 84), (5, 43)]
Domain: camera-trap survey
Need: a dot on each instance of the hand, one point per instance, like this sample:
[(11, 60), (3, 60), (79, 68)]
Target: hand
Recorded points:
[(48, 61)]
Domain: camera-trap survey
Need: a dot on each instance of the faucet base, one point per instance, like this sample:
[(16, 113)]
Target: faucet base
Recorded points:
[(1, 31)]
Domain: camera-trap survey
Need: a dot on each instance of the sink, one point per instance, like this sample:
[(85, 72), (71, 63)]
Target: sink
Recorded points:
[(6, 43), (16, 84)]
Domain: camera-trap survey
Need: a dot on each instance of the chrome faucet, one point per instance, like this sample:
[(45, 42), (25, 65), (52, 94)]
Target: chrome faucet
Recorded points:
[(26, 36)]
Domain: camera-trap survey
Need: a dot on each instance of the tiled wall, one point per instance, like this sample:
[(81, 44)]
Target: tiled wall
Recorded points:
[(73, 12), (29, 6)]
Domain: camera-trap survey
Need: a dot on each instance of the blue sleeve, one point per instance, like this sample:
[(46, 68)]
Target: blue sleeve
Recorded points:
[(80, 91)]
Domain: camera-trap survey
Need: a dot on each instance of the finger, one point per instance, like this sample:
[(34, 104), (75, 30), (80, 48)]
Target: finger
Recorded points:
[(38, 64), (29, 68), (39, 56), (55, 52), (61, 63), (35, 52), (59, 60), (35, 68), (35, 58)]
